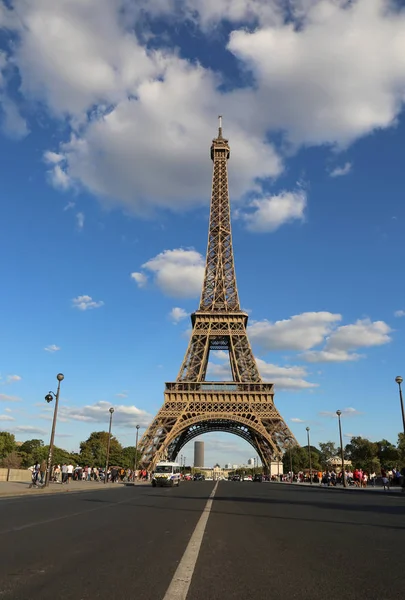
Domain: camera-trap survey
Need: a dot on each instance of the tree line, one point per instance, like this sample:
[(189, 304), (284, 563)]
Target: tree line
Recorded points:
[(363, 454), (93, 452), (369, 456)]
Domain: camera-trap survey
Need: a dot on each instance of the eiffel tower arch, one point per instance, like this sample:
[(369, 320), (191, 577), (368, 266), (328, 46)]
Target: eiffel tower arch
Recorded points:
[(192, 405)]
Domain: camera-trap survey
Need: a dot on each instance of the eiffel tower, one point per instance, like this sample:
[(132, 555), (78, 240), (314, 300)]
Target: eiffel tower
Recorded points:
[(193, 406)]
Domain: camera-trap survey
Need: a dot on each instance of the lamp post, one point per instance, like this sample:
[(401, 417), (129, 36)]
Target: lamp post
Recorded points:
[(339, 412), (111, 411), (291, 469), (309, 454), (49, 397), (136, 452), (399, 380)]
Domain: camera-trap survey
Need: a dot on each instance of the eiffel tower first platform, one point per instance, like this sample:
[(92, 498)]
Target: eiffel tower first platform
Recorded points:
[(193, 406)]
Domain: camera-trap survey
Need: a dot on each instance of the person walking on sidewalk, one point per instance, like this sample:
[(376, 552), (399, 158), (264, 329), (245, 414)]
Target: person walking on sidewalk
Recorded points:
[(42, 470), (385, 480)]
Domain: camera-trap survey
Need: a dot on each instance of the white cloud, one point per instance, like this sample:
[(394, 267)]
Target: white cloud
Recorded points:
[(6, 418), (356, 41), (122, 395), (346, 412), (28, 429), (84, 57), (341, 342), (13, 124), (340, 171), (269, 213), (79, 220), (336, 356), (52, 348), (363, 333), (300, 332), (53, 158), (69, 205), (399, 313), (284, 378), (126, 416), (86, 303), (178, 273), (7, 398), (219, 372), (13, 378), (8, 410), (177, 314), (59, 178), (140, 278), (84, 63), (296, 420)]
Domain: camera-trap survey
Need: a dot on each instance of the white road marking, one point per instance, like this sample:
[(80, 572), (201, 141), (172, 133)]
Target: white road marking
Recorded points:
[(179, 586)]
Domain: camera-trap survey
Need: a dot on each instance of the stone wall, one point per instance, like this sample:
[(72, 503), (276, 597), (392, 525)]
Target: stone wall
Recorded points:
[(15, 475)]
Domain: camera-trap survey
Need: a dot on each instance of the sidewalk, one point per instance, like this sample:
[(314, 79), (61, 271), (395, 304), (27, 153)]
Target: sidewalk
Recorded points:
[(9, 489), (393, 491)]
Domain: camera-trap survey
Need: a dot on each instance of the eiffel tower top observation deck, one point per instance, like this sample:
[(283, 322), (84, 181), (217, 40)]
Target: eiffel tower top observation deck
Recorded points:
[(219, 292)]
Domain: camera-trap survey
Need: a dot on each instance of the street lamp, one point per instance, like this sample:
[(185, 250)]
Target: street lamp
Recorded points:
[(399, 380), (110, 410), (49, 397), (310, 461), (291, 469), (136, 453), (339, 412)]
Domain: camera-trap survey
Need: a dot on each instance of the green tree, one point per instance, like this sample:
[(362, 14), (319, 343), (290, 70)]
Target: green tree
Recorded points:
[(300, 459), (128, 457), (7, 443), (328, 451), (387, 454), (93, 451), (11, 460), (363, 454), (401, 449), (32, 451), (30, 446)]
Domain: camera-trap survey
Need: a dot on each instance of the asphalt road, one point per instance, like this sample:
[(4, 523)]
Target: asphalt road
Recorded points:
[(262, 541)]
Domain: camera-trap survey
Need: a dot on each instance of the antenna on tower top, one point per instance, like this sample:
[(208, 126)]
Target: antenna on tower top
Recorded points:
[(220, 126)]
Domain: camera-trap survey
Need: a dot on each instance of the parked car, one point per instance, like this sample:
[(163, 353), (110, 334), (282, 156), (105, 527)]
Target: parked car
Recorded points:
[(258, 477), (199, 477)]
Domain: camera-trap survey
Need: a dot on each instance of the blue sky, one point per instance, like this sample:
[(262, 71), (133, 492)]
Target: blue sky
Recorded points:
[(107, 119)]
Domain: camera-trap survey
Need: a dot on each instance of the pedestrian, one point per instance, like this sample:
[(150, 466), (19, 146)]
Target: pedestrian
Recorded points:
[(385, 480), (69, 470)]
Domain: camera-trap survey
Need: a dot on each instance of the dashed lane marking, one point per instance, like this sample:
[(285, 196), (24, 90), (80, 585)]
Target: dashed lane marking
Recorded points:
[(179, 586)]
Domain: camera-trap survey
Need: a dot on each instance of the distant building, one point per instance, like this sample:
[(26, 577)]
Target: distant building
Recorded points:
[(251, 462), (198, 454), (228, 466)]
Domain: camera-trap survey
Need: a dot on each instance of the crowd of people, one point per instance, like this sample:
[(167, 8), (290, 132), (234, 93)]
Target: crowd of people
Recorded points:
[(66, 473), (357, 478)]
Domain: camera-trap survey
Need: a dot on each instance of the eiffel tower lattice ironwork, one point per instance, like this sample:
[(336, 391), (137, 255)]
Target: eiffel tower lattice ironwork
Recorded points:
[(193, 406)]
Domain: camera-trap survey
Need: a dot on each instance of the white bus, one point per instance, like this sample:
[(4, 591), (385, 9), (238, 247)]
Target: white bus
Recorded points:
[(166, 473)]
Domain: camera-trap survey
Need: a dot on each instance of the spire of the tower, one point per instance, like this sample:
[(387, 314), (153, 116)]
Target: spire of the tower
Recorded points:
[(220, 126), (219, 291)]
